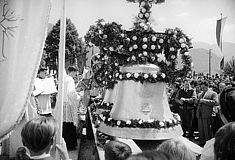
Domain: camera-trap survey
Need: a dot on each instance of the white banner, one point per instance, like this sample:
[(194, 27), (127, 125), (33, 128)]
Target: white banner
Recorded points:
[(23, 25)]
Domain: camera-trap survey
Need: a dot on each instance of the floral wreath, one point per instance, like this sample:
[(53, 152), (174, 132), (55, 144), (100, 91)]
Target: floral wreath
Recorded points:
[(99, 104), (153, 1), (120, 47)]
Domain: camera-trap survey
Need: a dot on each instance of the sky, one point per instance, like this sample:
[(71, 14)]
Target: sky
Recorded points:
[(197, 18)]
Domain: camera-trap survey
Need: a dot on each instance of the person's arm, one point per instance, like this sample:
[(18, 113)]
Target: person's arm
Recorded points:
[(192, 99), (73, 96), (37, 88), (211, 102), (62, 148), (177, 100)]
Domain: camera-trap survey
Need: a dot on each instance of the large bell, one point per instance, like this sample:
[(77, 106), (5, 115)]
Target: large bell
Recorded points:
[(145, 101)]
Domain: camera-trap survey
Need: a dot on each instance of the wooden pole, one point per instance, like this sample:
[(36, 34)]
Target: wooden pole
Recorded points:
[(233, 64), (60, 99), (209, 62)]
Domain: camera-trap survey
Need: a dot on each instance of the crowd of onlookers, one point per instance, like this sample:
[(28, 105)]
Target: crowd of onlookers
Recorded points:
[(38, 136), (185, 94), (205, 104)]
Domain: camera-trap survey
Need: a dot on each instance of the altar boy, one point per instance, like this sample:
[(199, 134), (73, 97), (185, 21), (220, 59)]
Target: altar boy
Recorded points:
[(43, 88)]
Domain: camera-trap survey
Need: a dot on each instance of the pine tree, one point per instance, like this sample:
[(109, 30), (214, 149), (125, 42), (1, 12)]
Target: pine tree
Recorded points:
[(229, 67), (73, 45)]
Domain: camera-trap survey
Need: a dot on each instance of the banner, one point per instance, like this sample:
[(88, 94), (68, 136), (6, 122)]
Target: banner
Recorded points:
[(222, 64), (23, 25), (219, 30)]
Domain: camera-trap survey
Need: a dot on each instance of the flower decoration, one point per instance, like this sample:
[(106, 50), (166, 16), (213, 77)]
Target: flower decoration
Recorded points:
[(128, 122), (119, 47), (154, 38), (135, 46), (143, 77), (145, 53), (98, 104), (161, 57), (144, 46), (136, 75), (146, 76), (134, 38), (145, 39), (161, 124), (118, 123), (161, 40), (133, 58), (128, 75), (153, 47)]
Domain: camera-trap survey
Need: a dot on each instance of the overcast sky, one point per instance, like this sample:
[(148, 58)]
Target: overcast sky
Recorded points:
[(197, 18)]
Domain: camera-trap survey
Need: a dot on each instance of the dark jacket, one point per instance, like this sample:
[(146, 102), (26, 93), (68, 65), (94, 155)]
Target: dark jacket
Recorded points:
[(190, 95)]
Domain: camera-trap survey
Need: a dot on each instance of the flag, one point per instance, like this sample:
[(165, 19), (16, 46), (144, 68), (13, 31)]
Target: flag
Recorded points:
[(23, 26), (219, 30), (222, 64)]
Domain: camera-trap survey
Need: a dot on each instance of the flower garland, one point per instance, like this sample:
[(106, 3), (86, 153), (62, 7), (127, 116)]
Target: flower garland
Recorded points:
[(141, 77), (132, 123), (119, 47), (139, 123), (98, 103), (104, 68), (102, 138), (152, 1), (107, 36)]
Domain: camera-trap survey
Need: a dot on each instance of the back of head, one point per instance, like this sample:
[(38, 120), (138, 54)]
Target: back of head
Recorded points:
[(177, 85), (41, 69), (227, 103), (150, 155), (224, 147), (204, 82), (116, 150), (38, 133), (72, 69), (176, 149)]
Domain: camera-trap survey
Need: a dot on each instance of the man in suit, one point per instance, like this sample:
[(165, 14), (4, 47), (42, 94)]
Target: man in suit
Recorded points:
[(206, 100), (185, 98)]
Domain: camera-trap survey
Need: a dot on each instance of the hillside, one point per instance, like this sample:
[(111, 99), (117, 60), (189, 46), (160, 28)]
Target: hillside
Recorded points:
[(200, 56)]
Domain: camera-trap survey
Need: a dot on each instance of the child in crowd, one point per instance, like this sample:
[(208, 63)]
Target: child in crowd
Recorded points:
[(38, 136), (224, 147), (150, 155), (176, 150), (116, 150)]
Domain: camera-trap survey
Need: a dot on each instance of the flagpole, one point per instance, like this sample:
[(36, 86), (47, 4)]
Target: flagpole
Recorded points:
[(209, 62), (61, 56)]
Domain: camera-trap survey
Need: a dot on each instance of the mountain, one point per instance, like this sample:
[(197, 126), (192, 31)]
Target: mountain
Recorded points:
[(200, 56)]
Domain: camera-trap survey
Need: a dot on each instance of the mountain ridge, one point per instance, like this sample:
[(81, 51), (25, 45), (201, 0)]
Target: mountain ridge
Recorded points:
[(200, 56)]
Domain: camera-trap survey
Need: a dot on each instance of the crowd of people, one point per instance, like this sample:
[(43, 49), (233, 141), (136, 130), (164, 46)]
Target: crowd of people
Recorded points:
[(205, 104), (38, 136), (196, 100)]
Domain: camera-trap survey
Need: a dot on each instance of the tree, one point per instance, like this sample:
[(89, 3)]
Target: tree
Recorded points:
[(229, 68), (73, 45)]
